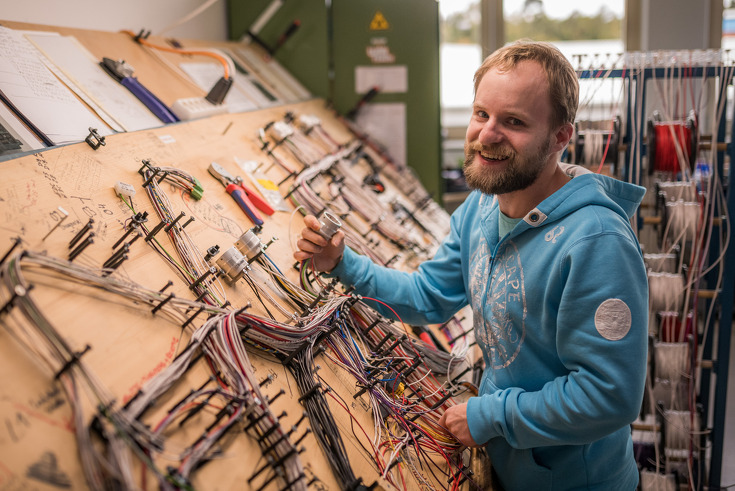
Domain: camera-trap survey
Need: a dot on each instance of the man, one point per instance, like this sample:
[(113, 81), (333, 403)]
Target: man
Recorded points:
[(547, 259)]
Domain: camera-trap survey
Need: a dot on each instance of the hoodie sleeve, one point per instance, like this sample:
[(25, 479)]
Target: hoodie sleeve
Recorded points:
[(601, 337), (430, 295)]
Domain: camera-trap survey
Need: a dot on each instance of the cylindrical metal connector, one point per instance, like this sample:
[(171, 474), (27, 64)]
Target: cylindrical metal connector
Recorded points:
[(330, 224), (233, 263), (249, 244)]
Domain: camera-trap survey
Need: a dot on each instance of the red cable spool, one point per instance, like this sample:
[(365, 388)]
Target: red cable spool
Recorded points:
[(662, 140)]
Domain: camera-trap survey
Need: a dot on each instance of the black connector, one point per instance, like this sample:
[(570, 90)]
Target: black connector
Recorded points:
[(219, 91)]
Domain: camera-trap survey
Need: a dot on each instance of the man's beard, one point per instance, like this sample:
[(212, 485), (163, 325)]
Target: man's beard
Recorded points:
[(519, 172)]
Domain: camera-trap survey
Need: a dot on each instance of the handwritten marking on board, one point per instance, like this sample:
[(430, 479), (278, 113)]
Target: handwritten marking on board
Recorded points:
[(153, 371), (46, 469), (211, 217)]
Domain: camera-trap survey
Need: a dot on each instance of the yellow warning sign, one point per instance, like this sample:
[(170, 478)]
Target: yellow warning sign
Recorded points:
[(379, 23)]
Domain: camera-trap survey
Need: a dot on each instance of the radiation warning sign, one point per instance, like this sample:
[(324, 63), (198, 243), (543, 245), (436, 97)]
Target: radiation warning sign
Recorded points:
[(379, 23)]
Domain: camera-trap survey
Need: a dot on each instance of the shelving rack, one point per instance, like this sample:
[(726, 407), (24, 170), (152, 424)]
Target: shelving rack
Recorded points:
[(721, 325)]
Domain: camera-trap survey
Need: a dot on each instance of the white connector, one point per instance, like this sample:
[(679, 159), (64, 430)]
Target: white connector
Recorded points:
[(281, 130), (124, 189), (308, 121), (196, 108)]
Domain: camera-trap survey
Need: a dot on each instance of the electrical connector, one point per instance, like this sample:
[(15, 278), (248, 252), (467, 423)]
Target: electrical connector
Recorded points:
[(280, 130), (198, 190), (219, 91), (196, 108), (124, 189), (308, 121)]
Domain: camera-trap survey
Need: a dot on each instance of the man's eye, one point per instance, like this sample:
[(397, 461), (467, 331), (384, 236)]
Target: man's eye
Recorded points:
[(515, 122), (482, 114)]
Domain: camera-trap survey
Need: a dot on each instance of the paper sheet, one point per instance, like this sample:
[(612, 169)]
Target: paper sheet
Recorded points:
[(113, 102), (25, 141), (39, 95), (205, 75)]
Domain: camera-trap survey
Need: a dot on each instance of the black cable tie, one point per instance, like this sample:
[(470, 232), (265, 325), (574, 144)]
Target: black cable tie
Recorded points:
[(116, 264), (190, 319), (9, 304), (266, 380), (155, 171), (310, 393), (164, 176), (204, 275), (89, 240), (116, 255), (155, 230), (441, 401), (201, 295), (462, 335), (392, 260), (121, 239), (146, 164), (383, 341), (372, 325), (191, 219), (226, 304), (271, 430), (196, 409), (279, 394), (16, 243), (355, 485), (413, 367), (171, 225), (306, 432), (166, 286), (81, 233), (293, 188), (454, 380), (273, 464), (273, 445), (255, 421), (74, 359), (162, 303)]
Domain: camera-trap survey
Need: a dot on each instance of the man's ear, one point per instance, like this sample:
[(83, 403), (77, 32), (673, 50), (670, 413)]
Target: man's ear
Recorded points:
[(562, 136)]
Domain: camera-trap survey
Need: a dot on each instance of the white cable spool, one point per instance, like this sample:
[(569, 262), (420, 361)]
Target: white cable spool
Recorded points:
[(683, 217), (672, 360), (678, 190), (653, 481), (660, 262), (678, 429), (666, 291)]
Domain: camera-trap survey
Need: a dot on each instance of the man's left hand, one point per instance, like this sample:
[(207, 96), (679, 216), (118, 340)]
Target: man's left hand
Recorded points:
[(455, 421)]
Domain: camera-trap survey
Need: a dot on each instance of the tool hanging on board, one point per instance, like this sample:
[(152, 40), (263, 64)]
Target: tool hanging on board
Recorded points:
[(247, 198), (123, 73)]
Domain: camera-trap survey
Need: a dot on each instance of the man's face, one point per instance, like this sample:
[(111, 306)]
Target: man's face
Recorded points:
[(509, 138)]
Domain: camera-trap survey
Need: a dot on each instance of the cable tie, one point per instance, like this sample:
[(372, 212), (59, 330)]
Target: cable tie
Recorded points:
[(18, 291), (16, 243), (310, 393), (190, 319), (211, 270), (155, 171), (162, 303), (75, 356), (81, 233), (155, 230), (89, 240), (170, 225)]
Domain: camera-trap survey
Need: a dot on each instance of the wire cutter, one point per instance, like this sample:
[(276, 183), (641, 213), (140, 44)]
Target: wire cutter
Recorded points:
[(123, 73), (247, 198)]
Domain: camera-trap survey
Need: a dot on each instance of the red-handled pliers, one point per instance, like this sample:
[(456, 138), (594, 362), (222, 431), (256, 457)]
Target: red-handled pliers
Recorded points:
[(247, 198)]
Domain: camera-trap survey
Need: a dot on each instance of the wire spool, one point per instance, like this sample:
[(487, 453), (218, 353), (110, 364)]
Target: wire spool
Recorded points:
[(671, 360), (666, 291), (597, 142), (681, 218), (663, 138), (678, 429), (653, 481), (671, 329), (660, 262), (677, 190)]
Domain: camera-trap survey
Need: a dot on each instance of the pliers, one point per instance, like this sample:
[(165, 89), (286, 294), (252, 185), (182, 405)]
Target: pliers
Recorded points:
[(123, 73), (247, 198)]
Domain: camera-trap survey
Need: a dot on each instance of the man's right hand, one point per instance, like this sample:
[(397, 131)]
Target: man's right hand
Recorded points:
[(325, 254)]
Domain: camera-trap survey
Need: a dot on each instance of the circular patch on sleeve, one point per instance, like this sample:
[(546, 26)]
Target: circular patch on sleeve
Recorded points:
[(613, 319)]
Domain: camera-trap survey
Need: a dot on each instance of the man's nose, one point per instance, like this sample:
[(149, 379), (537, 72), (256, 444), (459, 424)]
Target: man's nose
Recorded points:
[(490, 132)]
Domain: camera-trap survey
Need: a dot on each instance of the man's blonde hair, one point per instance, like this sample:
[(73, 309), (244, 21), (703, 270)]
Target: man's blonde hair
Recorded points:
[(562, 79)]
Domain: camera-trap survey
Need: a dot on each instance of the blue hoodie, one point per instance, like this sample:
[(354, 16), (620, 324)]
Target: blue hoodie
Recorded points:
[(560, 312)]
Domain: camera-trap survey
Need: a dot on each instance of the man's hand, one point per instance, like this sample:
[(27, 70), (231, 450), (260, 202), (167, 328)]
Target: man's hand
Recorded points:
[(325, 254), (455, 421)]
